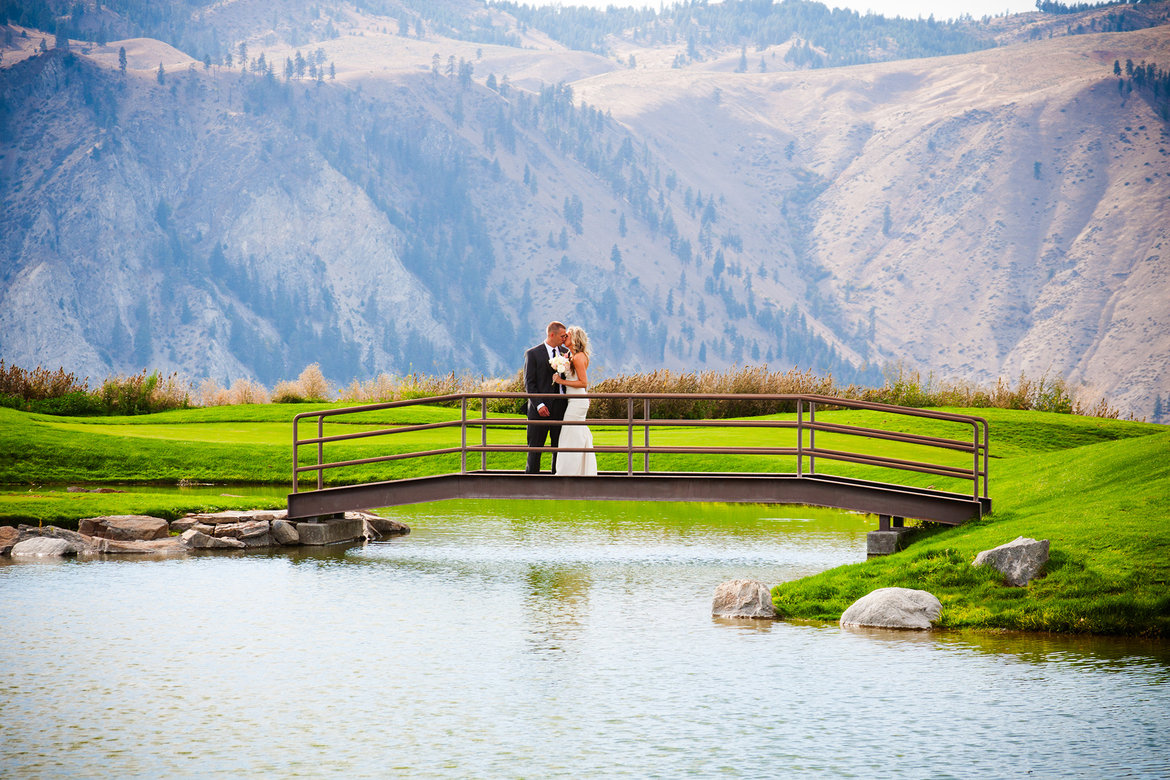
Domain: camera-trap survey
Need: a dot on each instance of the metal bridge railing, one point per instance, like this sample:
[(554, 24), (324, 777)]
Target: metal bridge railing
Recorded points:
[(638, 424)]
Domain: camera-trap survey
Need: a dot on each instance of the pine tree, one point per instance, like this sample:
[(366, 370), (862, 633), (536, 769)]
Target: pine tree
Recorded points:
[(122, 59)]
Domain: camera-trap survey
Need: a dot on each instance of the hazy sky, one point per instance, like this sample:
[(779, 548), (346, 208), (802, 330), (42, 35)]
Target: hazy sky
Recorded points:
[(942, 9)]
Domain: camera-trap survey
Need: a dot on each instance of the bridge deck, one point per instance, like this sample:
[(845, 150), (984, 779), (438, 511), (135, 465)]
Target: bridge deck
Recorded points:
[(815, 490)]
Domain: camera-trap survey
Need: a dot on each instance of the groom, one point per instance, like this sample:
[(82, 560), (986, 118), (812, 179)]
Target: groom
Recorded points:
[(538, 378)]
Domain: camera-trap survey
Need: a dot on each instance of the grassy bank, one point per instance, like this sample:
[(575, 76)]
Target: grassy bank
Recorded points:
[(1098, 489), (1105, 509)]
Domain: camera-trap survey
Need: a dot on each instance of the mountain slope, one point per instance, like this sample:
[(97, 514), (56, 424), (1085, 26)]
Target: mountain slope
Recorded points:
[(438, 200)]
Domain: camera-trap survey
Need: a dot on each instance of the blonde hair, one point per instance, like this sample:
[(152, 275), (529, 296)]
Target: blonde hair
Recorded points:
[(579, 340)]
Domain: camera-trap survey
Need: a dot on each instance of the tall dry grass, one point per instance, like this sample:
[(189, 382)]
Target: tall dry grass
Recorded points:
[(39, 383), (143, 393), (59, 392), (242, 391)]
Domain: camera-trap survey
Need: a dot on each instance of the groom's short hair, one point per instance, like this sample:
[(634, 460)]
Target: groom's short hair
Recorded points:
[(555, 326)]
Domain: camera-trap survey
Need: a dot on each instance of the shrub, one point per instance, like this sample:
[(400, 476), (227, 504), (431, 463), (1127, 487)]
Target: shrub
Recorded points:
[(142, 393), (75, 404), (311, 385)]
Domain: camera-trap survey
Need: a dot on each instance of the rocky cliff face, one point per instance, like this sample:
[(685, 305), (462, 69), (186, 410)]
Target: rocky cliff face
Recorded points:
[(974, 216)]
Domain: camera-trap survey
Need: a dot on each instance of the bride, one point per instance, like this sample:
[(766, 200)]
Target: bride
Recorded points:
[(576, 382)]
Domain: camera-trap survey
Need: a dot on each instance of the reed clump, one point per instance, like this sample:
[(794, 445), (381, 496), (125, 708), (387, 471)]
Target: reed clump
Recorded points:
[(39, 383)]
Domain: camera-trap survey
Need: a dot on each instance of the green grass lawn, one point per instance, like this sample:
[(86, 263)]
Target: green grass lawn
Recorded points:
[(1098, 489)]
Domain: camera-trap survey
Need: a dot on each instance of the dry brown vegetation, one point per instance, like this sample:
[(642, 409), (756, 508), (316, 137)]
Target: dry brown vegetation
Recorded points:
[(60, 393)]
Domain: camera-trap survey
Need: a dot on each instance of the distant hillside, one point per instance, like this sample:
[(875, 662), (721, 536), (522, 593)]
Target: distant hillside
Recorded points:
[(395, 186)]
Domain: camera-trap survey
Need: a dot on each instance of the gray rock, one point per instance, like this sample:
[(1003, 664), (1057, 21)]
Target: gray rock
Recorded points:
[(893, 608), (42, 547), (79, 543), (241, 530), (169, 545), (232, 517), (1020, 560), (284, 532), (125, 527), (197, 540), (381, 526), (188, 522), (743, 599), (9, 536)]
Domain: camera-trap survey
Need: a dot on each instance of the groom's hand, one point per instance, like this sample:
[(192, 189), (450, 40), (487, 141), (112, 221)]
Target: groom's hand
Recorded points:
[(543, 411)]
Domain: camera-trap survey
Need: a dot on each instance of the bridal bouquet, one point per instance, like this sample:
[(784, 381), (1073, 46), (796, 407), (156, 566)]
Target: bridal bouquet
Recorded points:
[(559, 363)]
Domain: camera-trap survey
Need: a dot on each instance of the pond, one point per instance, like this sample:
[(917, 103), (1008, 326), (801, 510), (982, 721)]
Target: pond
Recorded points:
[(540, 639)]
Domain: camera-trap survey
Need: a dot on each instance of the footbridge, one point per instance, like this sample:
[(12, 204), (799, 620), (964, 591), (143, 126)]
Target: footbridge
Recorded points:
[(890, 461)]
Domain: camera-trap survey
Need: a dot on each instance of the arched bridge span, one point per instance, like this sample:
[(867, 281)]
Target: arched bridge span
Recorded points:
[(892, 461)]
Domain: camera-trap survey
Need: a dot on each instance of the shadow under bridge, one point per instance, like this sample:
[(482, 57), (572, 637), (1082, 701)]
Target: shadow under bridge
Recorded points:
[(891, 461)]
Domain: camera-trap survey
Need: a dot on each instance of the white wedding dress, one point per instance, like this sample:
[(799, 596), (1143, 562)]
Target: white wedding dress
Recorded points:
[(576, 464)]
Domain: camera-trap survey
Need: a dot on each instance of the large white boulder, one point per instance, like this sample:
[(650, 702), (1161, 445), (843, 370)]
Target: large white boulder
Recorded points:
[(42, 547), (893, 608), (1020, 560), (743, 599)]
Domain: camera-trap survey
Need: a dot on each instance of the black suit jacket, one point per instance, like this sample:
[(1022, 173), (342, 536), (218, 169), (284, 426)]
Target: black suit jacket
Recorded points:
[(538, 378)]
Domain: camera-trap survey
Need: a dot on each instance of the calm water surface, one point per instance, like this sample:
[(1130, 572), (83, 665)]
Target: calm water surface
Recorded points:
[(503, 640)]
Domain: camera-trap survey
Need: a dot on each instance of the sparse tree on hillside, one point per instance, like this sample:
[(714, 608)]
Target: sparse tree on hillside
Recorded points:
[(1158, 409), (435, 65), (122, 60), (742, 66), (615, 257), (243, 55), (622, 225), (161, 75)]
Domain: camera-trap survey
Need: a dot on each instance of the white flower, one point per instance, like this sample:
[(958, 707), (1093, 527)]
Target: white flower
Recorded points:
[(559, 363)]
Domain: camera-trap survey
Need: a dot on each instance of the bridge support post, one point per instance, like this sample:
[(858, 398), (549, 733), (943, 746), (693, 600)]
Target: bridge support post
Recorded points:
[(329, 529), (892, 535)]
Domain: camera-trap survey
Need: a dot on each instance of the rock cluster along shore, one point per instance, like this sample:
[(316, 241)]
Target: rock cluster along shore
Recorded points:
[(142, 534)]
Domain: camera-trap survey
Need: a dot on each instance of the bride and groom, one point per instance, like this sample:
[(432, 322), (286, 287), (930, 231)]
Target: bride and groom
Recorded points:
[(560, 365)]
